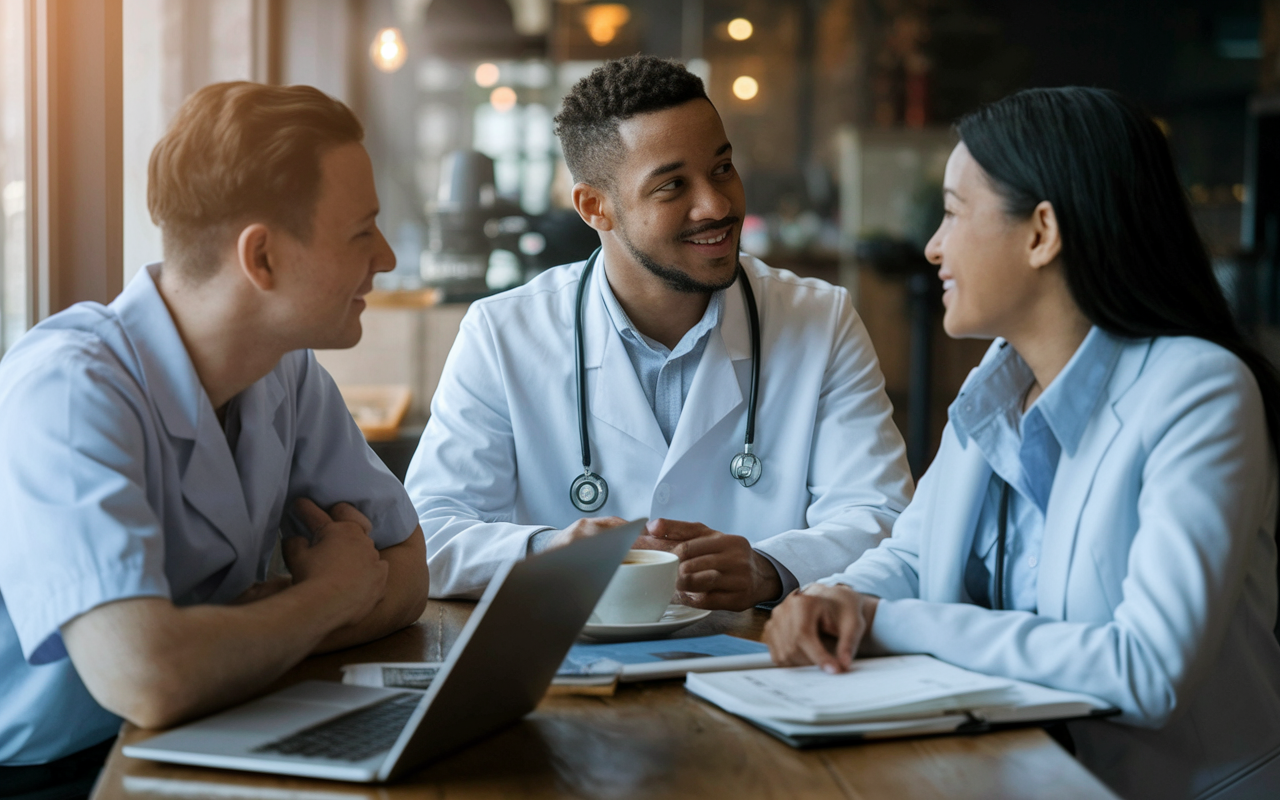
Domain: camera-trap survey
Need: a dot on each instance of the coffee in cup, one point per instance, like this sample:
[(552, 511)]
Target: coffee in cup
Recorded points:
[(641, 589)]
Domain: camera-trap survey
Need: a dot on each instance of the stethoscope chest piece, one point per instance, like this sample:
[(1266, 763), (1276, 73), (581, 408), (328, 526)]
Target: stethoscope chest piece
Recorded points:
[(589, 492), (745, 467)]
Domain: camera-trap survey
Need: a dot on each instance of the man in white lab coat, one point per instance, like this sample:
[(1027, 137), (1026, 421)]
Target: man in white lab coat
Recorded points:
[(667, 359)]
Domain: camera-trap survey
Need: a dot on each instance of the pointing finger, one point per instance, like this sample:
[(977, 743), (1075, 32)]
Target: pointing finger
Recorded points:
[(849, 634)]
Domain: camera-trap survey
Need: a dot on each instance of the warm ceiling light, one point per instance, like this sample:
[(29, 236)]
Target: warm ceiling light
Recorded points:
[(388, 51), (604, 20), (503, 98), (745, 87), (741, 29), (487, 75)]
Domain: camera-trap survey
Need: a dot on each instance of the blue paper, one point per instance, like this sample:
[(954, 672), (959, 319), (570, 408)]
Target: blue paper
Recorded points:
[(586, 659)]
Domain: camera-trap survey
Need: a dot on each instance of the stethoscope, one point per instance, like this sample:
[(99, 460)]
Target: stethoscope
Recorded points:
[(589, 490), (1002, 533)]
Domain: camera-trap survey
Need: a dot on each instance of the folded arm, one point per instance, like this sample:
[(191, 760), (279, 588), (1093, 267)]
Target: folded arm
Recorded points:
[(157, 664), (408, 585)]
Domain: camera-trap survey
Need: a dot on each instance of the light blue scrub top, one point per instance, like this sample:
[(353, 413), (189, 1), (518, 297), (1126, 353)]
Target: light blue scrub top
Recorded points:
[(117, 481)]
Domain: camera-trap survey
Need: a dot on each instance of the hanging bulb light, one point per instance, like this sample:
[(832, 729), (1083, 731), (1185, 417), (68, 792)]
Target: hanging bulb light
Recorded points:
[(503, 98), (745, 87), (388, 51), (487, 75), (741, 29), (604, 20)]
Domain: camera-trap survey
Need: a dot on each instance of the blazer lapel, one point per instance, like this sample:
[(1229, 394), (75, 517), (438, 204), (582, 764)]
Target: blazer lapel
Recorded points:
[(1071, 488), (1074, 481)]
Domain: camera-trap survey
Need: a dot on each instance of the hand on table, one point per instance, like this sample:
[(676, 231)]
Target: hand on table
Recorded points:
[(340, 553), (795, 630), (717, 570)]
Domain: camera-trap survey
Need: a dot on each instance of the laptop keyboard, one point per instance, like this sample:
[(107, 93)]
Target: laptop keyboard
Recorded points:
[(354, 736)]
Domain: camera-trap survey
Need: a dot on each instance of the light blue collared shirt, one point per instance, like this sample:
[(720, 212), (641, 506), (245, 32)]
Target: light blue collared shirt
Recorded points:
[(665, 375), (1023, 451)]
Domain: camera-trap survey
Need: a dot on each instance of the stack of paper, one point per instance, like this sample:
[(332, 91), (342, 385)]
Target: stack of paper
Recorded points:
[(595, 666), (894, 696)]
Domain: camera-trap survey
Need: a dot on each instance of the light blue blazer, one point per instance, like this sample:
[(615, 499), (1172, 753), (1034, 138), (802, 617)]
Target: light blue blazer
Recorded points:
[(1157, 584)]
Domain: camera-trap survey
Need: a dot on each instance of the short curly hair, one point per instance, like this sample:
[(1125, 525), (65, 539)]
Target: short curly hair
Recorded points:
[(617, 90)]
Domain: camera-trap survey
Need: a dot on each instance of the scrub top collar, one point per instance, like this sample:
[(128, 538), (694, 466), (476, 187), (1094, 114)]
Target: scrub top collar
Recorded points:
[(170, 376), (997, 387)]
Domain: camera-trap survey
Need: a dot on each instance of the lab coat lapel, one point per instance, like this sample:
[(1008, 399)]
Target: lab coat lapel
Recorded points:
[(715, 391), (616, 398), (1073, 483)]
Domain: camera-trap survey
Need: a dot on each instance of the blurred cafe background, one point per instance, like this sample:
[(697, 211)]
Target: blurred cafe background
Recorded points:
[(839, 112)]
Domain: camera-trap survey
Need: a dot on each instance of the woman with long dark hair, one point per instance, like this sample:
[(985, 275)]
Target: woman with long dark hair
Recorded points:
[(1101, 516)]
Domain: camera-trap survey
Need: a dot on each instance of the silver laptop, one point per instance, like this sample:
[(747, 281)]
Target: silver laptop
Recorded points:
[(498, 670)]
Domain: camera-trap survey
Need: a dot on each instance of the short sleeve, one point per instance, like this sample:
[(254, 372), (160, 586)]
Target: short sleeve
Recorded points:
[(332, 462), (78, 531)]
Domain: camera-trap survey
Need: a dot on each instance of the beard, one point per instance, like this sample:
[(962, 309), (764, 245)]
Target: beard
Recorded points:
[(675, 279)]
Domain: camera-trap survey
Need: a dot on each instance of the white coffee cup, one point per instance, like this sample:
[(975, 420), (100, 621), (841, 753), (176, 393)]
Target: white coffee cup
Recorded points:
[(641, 589)]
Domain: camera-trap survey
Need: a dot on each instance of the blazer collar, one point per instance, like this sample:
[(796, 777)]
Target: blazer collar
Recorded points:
[(1077, 471)]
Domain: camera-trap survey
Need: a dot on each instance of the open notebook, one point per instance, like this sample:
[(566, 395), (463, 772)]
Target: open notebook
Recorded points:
[(883, 697)]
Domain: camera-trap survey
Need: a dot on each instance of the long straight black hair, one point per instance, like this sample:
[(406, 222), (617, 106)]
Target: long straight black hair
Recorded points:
[(1133, 260)]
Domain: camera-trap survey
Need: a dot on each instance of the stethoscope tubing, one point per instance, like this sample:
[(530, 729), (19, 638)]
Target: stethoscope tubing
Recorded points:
[(594, 485)]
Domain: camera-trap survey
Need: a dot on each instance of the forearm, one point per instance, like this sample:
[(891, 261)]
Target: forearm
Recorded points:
[(465, 551), (156, 665), (816, 552), (408, 584), (1113, 660)]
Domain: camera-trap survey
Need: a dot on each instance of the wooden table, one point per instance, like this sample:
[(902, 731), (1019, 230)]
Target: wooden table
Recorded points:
[(650, 740)]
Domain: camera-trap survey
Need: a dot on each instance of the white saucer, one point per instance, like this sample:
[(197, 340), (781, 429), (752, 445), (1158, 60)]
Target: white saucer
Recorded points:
[(675, 618)]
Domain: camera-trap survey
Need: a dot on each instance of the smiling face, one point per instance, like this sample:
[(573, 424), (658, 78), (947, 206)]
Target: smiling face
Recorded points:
[(990, 287), (677, 202), (323, 281)]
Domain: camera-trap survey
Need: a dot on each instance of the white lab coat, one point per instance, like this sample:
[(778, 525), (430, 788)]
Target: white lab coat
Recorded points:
[(1157, 583), (502, 447)]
